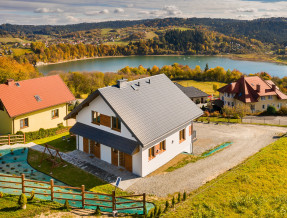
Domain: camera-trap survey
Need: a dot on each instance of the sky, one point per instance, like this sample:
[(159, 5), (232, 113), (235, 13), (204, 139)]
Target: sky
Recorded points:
[(60, 12)]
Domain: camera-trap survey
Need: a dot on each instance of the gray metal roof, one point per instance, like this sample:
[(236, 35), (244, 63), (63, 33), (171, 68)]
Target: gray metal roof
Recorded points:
[(151, 111), (106, 138), (191, 91)]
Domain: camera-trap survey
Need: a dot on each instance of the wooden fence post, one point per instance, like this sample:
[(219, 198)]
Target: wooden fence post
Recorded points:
[(52, 189), (23, 183), (8, 139), (144, 204), (24, 138), (114, 200), (83, 196)]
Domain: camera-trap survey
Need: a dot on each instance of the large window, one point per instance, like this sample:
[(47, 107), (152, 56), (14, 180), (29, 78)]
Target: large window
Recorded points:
[(55, 113), (96, 117), (24, 123), (162, 146), (181, 135), (116, 124)]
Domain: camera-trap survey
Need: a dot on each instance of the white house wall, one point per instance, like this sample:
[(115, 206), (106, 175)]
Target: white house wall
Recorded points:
[(106, 154), (137, 163), (99, 105), (173, 148)]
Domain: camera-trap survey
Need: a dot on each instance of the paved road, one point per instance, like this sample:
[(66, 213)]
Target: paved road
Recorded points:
[(247, 140)]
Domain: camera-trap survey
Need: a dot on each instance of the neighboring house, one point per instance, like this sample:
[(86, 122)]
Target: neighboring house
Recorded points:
[(196, 95), (32, 104), (254, 92), (138, 125)]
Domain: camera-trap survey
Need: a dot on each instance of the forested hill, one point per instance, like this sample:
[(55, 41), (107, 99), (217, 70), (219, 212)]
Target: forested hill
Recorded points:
[(270, 30)]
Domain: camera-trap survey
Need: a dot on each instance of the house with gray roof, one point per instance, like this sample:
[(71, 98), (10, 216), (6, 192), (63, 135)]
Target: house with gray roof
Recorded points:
[(196, 95), (138, 125)]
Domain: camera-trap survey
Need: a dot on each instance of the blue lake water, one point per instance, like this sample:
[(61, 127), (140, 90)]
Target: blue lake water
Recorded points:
[(113, 64)]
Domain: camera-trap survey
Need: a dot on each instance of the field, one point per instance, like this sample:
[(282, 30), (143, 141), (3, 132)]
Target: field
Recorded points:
[(255, 188), (21, 51), (11, 39), (206, 87)]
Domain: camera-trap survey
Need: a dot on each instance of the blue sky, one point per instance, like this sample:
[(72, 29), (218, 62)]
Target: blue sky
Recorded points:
[(77, 11)]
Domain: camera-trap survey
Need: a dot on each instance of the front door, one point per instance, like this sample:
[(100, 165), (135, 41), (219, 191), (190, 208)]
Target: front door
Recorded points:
[(97, 150), (115, 158), (86, 145), (129, 162), (121, 159), (92, 147)]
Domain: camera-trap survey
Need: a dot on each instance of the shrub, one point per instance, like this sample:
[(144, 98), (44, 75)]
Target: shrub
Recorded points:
[(184, 196), (197, 101), (206, 114), (159, 212), (22, 201), (1, 194), (271, 110), (43, 133), (173, 202), (66, 205), (98, 211), (166, 206), (32, 196), (155, 211), (283, 111), (178, 198)]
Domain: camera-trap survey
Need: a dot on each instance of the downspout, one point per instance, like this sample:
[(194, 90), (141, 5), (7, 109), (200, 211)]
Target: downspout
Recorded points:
[(13, 126)]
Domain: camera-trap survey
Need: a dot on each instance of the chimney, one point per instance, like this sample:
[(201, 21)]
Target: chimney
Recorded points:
[(273, 87), (258, 87), (10, 82), (121, 83)]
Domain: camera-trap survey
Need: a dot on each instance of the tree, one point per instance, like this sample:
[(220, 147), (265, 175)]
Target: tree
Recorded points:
[(206, 67), (242, 110), (229, 111), (271, 110), (215, 87)]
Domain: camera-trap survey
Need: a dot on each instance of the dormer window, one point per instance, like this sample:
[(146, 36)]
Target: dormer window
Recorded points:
[(116, 124), (96, 117)]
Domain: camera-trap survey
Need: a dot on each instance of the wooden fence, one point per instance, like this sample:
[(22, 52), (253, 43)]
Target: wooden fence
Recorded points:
[(12, 139), (114, 203)]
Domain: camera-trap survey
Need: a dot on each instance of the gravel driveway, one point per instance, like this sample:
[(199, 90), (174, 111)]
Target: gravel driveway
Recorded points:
[(247, 140)]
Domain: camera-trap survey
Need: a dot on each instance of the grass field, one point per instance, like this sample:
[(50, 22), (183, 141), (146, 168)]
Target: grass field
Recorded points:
[(57, 142), (71, 175), (150, 35), (20, 51), (256, 188), (11, 39), (9, 207), (206, 87)]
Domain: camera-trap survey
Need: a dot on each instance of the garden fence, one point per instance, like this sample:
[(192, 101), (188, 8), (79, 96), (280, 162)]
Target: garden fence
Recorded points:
[(12, 139), (86, 198)]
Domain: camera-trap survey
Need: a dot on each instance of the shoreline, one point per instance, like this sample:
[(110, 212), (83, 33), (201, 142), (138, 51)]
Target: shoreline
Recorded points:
[(242, 57)]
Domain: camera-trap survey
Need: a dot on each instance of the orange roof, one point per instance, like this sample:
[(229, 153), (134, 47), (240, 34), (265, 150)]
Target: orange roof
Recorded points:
[(249, 89), (21, 97)]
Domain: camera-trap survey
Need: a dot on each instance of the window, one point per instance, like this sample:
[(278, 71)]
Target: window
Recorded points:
[(181, 135), (263, 106), (55, 113), (162, 146), (279, 105), (151, 153), (116, 124), (228, 95), (270, 96), (228, 103), (263, 98), (96, 117), (24, 123)]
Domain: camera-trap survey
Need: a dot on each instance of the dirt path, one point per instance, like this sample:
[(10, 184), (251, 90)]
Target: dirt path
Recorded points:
[(247, 140)]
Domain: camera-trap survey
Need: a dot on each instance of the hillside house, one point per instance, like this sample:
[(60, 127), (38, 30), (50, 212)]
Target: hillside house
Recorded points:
[(138, 125), (254, 92), (32, 104)]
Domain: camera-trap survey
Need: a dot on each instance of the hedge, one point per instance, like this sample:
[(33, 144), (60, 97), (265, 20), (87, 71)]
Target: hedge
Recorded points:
[(43, 133)]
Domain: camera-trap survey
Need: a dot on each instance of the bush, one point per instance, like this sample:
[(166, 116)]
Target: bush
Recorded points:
[(173, 202), (166, 206), (178, 198), (197, 101), (184, 196), (22, 201), (1, 194), (206, 114), (43, 133), (283, 111), (32, 196), (66, 205), (98, 211), (271, 110)]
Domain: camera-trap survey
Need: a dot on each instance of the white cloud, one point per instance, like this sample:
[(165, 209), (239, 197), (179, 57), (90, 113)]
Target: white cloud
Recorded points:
[(48, 10), (249, 10), (172, 10), (119, 10), (72, 19), (130, 5), (92, 13)]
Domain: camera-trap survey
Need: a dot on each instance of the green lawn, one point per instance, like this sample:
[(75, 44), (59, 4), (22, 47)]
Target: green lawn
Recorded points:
[(71, 175), (9, 207), (57, 142), (11, 39), (256, 188), (206, 87)]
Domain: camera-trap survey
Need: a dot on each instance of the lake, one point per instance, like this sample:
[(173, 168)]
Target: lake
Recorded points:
[(113, 64)]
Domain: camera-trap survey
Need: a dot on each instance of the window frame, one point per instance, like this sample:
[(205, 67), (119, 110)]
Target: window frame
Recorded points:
[(118, 123), (182, 135), (96, 121), (151, 153), (162, 146), (55, 115), (23, 123)]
